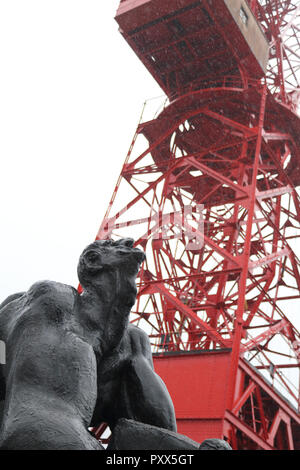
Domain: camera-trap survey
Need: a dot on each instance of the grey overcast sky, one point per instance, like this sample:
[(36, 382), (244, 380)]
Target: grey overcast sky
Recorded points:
[(71, 92)]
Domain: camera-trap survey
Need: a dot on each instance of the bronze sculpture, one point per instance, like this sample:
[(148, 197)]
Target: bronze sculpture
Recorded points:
[(74, 361)]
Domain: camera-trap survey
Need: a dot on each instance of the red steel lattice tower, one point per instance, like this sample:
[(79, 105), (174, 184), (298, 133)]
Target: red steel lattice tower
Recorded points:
[(208, 191)]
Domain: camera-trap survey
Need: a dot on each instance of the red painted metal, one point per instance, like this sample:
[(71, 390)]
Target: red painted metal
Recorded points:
[(208, 190), (259, 417)]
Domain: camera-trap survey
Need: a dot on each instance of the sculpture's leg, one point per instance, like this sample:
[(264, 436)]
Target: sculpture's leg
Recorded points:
[(46, 430), (132, 435)]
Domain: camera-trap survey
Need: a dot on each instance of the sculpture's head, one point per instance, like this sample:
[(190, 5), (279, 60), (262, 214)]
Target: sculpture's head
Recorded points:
[(105, 262)]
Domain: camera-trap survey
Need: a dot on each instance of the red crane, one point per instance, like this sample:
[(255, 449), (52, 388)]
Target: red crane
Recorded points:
[(208, 191)]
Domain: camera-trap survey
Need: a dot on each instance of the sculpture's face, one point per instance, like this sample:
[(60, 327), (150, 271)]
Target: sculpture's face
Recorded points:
[(106, 256)]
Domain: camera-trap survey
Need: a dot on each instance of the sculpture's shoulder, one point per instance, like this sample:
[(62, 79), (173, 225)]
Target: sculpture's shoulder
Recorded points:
[(44, 300), (10, 299), (9, 310), (51, 297), (55, 290), (41, 290), (136, 333)]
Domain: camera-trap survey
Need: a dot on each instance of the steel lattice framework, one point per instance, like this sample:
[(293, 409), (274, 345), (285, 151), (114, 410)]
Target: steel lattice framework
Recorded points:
[(208, 190), (281, 23)]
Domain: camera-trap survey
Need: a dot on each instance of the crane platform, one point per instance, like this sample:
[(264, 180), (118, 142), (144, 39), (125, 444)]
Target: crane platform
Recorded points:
[(187, 45)]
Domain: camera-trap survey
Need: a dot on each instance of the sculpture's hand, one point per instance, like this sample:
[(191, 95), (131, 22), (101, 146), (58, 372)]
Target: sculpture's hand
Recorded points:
[(140, 347)]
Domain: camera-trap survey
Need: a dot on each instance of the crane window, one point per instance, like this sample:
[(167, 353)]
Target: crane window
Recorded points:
[(243, 15)]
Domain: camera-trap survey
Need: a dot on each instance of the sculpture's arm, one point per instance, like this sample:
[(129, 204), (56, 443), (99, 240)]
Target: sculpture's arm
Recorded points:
[(145, 394), (128, 386)]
